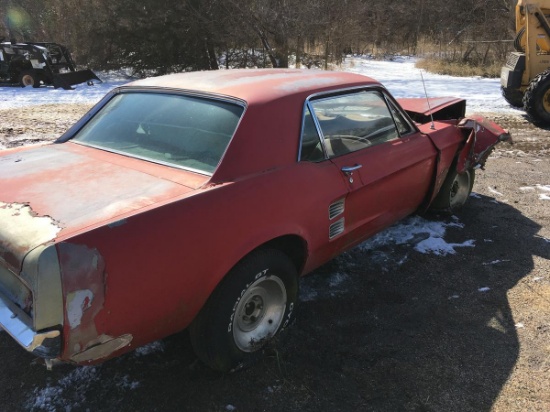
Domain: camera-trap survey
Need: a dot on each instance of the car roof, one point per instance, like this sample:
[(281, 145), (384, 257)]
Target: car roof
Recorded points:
[(258, 85)]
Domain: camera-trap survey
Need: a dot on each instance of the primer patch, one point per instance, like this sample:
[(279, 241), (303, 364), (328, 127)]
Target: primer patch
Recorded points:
[(77, 303)]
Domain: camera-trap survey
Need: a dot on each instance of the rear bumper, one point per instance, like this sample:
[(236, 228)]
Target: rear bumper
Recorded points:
[(46, 344)]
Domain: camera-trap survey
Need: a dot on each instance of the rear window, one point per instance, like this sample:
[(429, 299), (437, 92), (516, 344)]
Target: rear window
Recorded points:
[(183, 131)]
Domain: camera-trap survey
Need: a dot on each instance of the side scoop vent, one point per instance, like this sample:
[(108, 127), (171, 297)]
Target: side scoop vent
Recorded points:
[(336, 228), (336, 208)]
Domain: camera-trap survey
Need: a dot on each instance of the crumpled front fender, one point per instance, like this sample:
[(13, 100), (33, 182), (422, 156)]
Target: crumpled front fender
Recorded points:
[(483, 136)]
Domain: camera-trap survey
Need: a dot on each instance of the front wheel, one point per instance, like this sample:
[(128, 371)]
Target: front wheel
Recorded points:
[(513, 96), (251, 306), (454, 192), (536, 99)]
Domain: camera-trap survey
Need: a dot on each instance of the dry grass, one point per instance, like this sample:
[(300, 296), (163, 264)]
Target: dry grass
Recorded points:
[(458, 68)]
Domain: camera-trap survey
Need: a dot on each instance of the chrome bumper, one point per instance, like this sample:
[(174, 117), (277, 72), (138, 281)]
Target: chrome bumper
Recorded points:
[(44, 344)]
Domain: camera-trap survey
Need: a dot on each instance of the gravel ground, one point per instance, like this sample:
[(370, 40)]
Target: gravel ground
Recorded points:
[(382, 329)]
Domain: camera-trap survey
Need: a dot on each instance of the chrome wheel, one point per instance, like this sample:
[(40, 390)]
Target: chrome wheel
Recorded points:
[(460, 190), (259, 313)]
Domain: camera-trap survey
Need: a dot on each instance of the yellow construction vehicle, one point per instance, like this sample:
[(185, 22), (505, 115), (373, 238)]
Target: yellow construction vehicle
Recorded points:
[(525, 78)]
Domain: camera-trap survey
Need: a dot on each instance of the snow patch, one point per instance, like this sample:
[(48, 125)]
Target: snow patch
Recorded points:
[(425, 235), (495, 192), (484, 289), (494, 262), (440, 247), (68, 394), (150, 348), (337, 279)]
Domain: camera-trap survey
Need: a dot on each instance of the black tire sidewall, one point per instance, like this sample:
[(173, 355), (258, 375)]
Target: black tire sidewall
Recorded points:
[(212, 331), (534, 96)]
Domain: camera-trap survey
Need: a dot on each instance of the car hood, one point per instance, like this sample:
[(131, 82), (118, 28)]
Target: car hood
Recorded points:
[(54, 191)]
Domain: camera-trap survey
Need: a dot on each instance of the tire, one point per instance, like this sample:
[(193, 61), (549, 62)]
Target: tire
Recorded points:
[(29, 78), (250, 308), (536, 99), (454, 192), (513, 96)]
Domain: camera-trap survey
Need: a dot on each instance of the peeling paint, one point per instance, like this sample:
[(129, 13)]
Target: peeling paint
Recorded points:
[(83, 274), (102, 347), (77, 303), (23, 230)]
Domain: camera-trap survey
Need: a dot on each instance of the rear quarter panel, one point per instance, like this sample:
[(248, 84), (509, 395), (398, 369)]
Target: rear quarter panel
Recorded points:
[(160, 266)]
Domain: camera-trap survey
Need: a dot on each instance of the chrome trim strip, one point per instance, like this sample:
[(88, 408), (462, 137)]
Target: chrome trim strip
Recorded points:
[(20, 331), (336, 228), (336, 209), (12, 324)]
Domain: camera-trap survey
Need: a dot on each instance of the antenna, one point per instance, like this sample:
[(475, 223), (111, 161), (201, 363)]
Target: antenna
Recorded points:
[(428, 101)]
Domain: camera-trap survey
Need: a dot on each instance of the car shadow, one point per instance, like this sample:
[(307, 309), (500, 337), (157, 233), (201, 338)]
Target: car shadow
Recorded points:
[(380, 329)]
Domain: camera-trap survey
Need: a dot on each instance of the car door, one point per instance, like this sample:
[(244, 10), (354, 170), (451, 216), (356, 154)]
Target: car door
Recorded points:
[(386, 163)]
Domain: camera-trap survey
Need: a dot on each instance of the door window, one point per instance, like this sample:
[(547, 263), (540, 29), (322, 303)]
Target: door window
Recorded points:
[(355, 121)]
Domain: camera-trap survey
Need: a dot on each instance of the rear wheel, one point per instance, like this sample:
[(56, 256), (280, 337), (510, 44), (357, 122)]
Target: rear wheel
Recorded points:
[(251, 306), (536, 99), (29, 78), (454, 192)]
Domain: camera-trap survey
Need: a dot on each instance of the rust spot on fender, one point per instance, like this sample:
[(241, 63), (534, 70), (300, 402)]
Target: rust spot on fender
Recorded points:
[(83, 277), (102, 347)]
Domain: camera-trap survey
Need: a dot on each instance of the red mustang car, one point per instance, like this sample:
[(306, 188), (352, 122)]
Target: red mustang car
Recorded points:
[(196, 201)]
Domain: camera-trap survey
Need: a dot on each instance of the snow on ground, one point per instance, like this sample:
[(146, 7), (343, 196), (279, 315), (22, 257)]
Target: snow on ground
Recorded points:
[(71, 392), (150, 348), (542, 190), (15, 96), (399, 76), (402, 79), (422, 235)]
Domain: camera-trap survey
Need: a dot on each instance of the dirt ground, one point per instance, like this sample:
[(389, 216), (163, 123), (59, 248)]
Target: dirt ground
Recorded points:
[(385, 329)]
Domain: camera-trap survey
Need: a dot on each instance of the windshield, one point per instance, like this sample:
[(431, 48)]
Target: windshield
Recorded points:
[(184, 131)]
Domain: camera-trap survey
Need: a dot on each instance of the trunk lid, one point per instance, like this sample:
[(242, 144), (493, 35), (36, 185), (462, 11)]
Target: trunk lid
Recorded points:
[(53, 191)]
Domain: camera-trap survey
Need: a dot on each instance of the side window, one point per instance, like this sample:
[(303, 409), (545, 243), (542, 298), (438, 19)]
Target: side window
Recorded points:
[(311, 149), (355, 121)]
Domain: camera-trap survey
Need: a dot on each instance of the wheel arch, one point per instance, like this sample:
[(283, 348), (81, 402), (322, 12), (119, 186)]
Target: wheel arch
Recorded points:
[(294, 246)]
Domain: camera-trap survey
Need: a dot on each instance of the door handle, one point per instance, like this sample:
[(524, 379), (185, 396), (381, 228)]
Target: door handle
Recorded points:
[(348, 170)]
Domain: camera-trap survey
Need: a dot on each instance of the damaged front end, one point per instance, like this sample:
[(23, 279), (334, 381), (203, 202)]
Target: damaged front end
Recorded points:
[(482, 137), (481, 134)]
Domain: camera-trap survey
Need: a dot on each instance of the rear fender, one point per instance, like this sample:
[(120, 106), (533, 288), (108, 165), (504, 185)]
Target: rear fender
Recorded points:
[(483, 136)]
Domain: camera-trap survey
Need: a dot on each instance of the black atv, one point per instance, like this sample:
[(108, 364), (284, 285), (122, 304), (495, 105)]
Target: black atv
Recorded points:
[(36, 64)]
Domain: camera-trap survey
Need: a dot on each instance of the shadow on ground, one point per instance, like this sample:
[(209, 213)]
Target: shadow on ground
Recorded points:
[(430, 333)]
